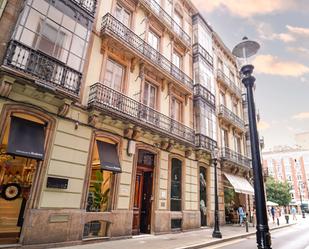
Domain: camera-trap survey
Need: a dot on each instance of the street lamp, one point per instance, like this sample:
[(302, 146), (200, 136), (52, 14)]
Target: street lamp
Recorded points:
[(216, 233), (243, 51)]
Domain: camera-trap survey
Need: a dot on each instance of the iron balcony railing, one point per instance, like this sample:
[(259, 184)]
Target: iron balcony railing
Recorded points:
[(166, 19), (228, 82), (204, 142), (111, 101), (88, 5), (227, 114), (113, 27), (204, 93), (199, 50), (50, 72), (232, 156)]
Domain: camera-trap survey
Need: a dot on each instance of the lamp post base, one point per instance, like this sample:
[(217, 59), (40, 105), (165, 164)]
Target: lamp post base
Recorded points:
[(216, 234)]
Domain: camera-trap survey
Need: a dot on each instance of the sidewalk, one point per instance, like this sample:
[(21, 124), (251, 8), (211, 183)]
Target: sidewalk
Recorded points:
[(183, 240)]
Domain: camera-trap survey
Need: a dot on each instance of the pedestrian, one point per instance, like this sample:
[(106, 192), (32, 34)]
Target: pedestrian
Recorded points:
[(241, 214), (273, 211), (293, 211), (278, 214)]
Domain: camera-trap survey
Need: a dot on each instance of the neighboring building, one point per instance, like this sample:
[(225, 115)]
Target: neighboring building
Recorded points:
[(292, 166), (236, 168), (302, 140), (108, 117)]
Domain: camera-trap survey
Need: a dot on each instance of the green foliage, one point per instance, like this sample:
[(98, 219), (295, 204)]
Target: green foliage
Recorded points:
[(100, 201), (229, 195), (278, 192)]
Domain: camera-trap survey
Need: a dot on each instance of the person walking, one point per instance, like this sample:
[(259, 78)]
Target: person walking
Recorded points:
[(273, 211), (293, 211), (241, 214)]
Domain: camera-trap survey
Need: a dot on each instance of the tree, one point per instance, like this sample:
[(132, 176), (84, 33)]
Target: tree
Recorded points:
[(278, 192)]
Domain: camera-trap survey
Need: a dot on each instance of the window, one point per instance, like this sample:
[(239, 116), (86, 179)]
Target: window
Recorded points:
[(206, 121), (232, 76), (176, 177), (114, 74), (177, 59), (235, 109), (224, 138), (123, 15), (220, 64), (55, 29), (150, 95), (154, 40), (176, 109), (222, 99), (51, 40), (178, 21), (238, 145), (99, 196)]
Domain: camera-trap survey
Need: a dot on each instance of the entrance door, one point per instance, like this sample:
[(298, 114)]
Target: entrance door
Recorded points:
[(203, 196), (142, 205)]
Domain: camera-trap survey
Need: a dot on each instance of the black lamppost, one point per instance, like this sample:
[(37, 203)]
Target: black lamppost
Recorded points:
[(216, 233), (244, 50)]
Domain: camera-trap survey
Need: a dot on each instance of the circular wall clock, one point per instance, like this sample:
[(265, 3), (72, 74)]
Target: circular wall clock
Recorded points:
[(11, 191)]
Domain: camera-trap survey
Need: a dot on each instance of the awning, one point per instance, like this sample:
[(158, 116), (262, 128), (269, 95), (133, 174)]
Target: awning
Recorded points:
[(26, 139), (240, 184), (108, 155)]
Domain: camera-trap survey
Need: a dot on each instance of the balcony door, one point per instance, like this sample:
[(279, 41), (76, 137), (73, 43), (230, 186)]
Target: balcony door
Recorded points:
[(114, 74), (123, 15), (149, 100)]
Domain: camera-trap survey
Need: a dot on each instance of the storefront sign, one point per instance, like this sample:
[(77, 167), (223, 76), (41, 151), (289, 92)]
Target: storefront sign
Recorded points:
[(26, 139), (54, 182)]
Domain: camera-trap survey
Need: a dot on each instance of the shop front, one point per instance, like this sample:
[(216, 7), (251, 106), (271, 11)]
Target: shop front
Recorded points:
[(237, 192), (22, 151)]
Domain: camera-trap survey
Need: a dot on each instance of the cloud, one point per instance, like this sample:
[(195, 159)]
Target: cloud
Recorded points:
[(245, 8), (301, 50), (298, 30), (263, 125), (273, 65), (301, 116)]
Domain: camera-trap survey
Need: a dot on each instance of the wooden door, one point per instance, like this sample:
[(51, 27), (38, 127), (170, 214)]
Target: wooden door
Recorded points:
[(137, 202)]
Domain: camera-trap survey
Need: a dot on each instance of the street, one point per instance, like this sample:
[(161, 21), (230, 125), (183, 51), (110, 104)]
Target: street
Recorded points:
[(294, 237)]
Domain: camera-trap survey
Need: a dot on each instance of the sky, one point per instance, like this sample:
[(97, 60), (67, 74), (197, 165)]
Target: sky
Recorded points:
[(281, 65)]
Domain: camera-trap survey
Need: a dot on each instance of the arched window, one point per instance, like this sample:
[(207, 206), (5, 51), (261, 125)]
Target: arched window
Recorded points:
[(176, 178)]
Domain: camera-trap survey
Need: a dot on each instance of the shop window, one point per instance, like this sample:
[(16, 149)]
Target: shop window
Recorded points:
[(176, 185), (17, 172), (96, 228), (105, 163)]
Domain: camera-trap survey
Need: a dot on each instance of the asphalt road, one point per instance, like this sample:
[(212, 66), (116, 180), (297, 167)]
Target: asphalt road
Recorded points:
[(294, 237)]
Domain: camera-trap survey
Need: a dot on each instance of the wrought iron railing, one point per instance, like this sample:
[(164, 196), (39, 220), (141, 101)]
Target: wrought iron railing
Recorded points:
[(204, 142), (88, 5), (109, 100), (231, 116), (166, 19), (228, 82), (198, 49), (232, 156), (203, 92), (50, 71), (113, 27)]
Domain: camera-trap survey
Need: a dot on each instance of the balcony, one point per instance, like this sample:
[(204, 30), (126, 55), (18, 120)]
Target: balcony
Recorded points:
[(154, 7), (87, 5), (46, 71), (112, 102), (234, 157), (204, 142), (114, 28), (199, 50), (231, 117), (202, 92), (228, 83)]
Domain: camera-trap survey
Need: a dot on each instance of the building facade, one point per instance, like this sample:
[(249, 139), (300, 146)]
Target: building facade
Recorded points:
[(292, 166), (109, 116)]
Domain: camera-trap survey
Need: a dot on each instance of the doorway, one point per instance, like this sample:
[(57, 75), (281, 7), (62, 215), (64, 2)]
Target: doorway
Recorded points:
[(203, 196), (143, 196)]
